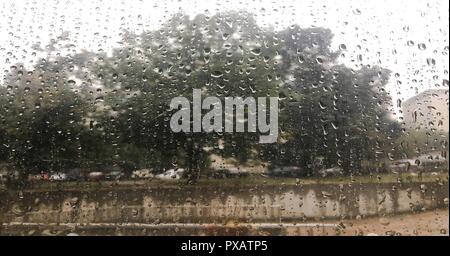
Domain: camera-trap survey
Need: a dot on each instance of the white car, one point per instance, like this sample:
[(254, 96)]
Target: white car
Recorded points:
[(96, 176), (335, 171), (114, 175), (142, 174), (172, 174), (58, 176)]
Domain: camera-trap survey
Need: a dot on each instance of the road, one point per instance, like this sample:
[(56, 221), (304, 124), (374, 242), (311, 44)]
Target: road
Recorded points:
[(426, 223)]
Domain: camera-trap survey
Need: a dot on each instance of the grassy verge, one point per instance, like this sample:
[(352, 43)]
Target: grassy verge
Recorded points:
[(384, 178), (252, 180)]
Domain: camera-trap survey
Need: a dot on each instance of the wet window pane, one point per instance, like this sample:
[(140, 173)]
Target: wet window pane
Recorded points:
[(224, 117)]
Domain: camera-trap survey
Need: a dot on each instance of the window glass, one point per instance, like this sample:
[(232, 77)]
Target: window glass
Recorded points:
[(224, 117)]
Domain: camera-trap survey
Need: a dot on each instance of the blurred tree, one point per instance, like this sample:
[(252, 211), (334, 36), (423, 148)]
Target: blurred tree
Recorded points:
[(95, 107)]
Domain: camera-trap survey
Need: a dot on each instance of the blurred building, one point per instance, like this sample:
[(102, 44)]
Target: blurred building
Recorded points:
[(428, 110)]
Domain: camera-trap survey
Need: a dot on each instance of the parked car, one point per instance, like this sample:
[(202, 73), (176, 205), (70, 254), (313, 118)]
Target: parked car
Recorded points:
[(114, 175), (11, 175), (172, 174), (404, 165), (285, 171), (142, 174), (58, 176), (43, 176), (76, 175), (7, 173), (334, 171), (3, 176), (95, 176), (223, 173)]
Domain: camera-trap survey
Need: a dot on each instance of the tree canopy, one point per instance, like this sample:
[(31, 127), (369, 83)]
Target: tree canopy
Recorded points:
[(94, 107)]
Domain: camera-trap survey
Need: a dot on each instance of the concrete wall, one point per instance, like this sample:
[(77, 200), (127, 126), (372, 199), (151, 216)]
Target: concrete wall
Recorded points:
[(220, 204)]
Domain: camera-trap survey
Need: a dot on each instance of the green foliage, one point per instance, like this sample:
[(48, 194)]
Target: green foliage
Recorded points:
[(95, 107)]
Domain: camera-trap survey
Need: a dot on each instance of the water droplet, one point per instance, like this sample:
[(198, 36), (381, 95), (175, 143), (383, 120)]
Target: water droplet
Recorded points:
[(225, 36), (431, 62), (322, 105), (256, 51), (216, 74), (71, 82), (319, 60)]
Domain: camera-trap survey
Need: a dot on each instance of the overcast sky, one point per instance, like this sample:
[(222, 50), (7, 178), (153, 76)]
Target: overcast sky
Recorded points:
[(377, 30)]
